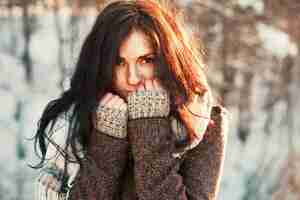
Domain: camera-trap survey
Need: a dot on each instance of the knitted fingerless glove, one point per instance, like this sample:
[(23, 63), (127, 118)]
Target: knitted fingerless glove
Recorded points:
[(111, 121), (148, 103)]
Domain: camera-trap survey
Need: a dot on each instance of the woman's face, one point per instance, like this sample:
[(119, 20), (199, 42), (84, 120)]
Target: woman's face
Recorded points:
[(135, 64)]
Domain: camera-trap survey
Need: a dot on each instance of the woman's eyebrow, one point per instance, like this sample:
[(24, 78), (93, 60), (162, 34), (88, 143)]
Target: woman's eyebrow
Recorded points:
[(143, 56), (146, 55)]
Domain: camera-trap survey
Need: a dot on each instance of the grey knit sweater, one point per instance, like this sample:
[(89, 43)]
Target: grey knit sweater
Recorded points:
[(141, 167)]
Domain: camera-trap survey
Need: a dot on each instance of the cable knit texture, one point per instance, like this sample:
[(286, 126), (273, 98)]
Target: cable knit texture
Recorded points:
[(112, 121), (148, 103)]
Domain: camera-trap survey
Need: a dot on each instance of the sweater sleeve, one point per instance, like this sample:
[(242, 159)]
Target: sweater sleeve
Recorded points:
[(158, 175), (103, 167), (106, 157), (155, 169), (202, 167)]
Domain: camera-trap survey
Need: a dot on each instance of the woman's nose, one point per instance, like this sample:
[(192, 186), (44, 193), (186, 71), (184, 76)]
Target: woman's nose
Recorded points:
[(134, 77)]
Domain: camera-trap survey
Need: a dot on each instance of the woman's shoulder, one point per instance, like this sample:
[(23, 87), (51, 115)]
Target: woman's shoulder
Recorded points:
[(219, 117)]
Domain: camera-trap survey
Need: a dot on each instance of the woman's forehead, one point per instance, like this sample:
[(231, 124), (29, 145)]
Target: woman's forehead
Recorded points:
[(135, 45)]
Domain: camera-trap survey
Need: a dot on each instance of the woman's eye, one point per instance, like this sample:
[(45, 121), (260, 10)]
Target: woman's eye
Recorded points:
[(120, 62), (148, 60)]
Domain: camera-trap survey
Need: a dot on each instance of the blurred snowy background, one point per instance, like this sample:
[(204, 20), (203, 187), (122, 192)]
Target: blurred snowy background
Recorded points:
[(252, 49)]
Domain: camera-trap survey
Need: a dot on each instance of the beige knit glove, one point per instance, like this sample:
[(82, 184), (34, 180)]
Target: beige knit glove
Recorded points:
[(148, 103), (112, 120)]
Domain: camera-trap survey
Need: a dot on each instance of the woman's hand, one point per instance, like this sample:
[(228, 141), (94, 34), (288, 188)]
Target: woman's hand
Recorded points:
[(113, 101), (149, 100), (112, 116)]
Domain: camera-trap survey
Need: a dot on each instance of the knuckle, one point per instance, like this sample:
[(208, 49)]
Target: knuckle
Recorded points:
[(124, 107), (107, 95), (122, 101)]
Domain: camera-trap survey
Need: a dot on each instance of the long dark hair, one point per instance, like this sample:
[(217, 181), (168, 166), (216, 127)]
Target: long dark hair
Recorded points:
[(180, 67)]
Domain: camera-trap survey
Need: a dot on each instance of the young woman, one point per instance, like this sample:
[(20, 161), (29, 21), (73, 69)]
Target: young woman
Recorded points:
[(138, 121)]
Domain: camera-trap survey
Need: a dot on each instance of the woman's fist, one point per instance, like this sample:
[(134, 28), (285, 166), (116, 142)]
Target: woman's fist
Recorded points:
[(112, 116), (149, 100), (113, 101)]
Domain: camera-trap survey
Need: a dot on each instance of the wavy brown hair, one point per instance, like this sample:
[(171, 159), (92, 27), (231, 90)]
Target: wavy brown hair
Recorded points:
[(181, 68)]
